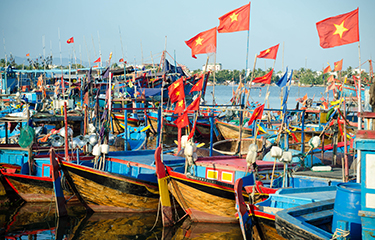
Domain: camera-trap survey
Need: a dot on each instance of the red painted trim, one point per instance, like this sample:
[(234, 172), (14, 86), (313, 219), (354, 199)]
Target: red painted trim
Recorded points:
[(50, 169), (112, 159), (18, 175)]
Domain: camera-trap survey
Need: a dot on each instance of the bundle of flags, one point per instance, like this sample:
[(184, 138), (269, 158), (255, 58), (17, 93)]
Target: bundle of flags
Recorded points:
[(176, 92)]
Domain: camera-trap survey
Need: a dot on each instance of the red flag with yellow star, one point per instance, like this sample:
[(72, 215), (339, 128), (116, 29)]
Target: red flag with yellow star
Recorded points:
[(236, 20), (327, 69), (194, 106), (339, 30), (180, 106), (182, 120), (266, 79), (70, 40), (338, 65), (270, 53), (257, 114), (204, 42), (176, 90), (198, 85)]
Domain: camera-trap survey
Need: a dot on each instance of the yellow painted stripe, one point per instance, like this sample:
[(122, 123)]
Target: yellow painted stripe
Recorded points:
[(164, 192)]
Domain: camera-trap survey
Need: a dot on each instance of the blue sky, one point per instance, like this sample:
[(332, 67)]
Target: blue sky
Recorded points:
[(153, 24)]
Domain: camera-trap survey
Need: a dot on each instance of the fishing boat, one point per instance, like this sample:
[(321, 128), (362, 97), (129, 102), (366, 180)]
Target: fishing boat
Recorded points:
[(205, 190), (259, 219), (231, 146), (135, 139), (231, 131), (120, 182), (353, 218), (324, 220)]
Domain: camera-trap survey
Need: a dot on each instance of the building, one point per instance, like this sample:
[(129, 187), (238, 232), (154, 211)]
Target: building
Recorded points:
[(212, 67)]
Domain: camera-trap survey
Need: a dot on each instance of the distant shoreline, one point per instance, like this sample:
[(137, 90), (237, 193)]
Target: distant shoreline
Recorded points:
[(274, 85)]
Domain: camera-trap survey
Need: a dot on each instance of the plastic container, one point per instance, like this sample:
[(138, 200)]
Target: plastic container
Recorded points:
[(347, 205), (96, 151), (105, 148)]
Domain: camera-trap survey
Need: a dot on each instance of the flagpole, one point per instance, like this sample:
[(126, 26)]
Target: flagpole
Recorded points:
[(100, 52), (62, 72), (268, 87), (214, 80), (252, 77), (359, 116), (248, 43)]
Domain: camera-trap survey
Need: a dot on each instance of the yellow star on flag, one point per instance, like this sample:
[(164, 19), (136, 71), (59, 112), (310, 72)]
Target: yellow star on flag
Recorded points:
[(176, 85), (233, 17), (268, 50), (198, 41), (178, 93), (340, 29), (180, 103)]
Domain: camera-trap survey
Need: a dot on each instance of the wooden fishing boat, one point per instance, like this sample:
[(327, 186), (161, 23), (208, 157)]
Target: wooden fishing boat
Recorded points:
[(231, 146), (170, 129), (231, 131), (37, 187), (206, 191), (136, 138), (289, 227), (259, 218), (123, 182)]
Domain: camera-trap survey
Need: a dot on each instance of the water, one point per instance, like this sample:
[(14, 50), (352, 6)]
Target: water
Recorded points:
[(223, 94), (39, 221)]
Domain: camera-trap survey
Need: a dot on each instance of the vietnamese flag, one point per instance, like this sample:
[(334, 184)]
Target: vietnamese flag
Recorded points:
[(182, 120), (176, 90), (257, 114), (70, 40), (266, 79), (270, 53), (28, 55), (236, 20), (331, 79), (204, 42), (198, 85), (121, 60), (180, 106), (339, 30), (194, 106), (97, 60), (327, 69), (338, 65)]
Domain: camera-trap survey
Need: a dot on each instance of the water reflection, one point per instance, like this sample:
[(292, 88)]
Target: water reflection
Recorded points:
[(39, 221), (189, 230)]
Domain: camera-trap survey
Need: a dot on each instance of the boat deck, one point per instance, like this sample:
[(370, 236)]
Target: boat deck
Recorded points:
[(146, 157), (336, 173)]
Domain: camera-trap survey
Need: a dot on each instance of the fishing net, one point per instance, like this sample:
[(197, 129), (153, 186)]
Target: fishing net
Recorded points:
[(27, 134)]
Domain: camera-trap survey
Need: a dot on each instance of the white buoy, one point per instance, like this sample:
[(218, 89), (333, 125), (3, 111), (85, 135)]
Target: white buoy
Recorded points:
[(314, 142), (276, 152), (105, 148), (286, 157), (96, 151)]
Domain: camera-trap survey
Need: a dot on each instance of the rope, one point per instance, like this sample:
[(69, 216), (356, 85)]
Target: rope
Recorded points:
[(157, 216), (339, 234)]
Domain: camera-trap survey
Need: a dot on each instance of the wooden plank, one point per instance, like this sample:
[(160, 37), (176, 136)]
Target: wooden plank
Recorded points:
[(366, 114), (366, 134)]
